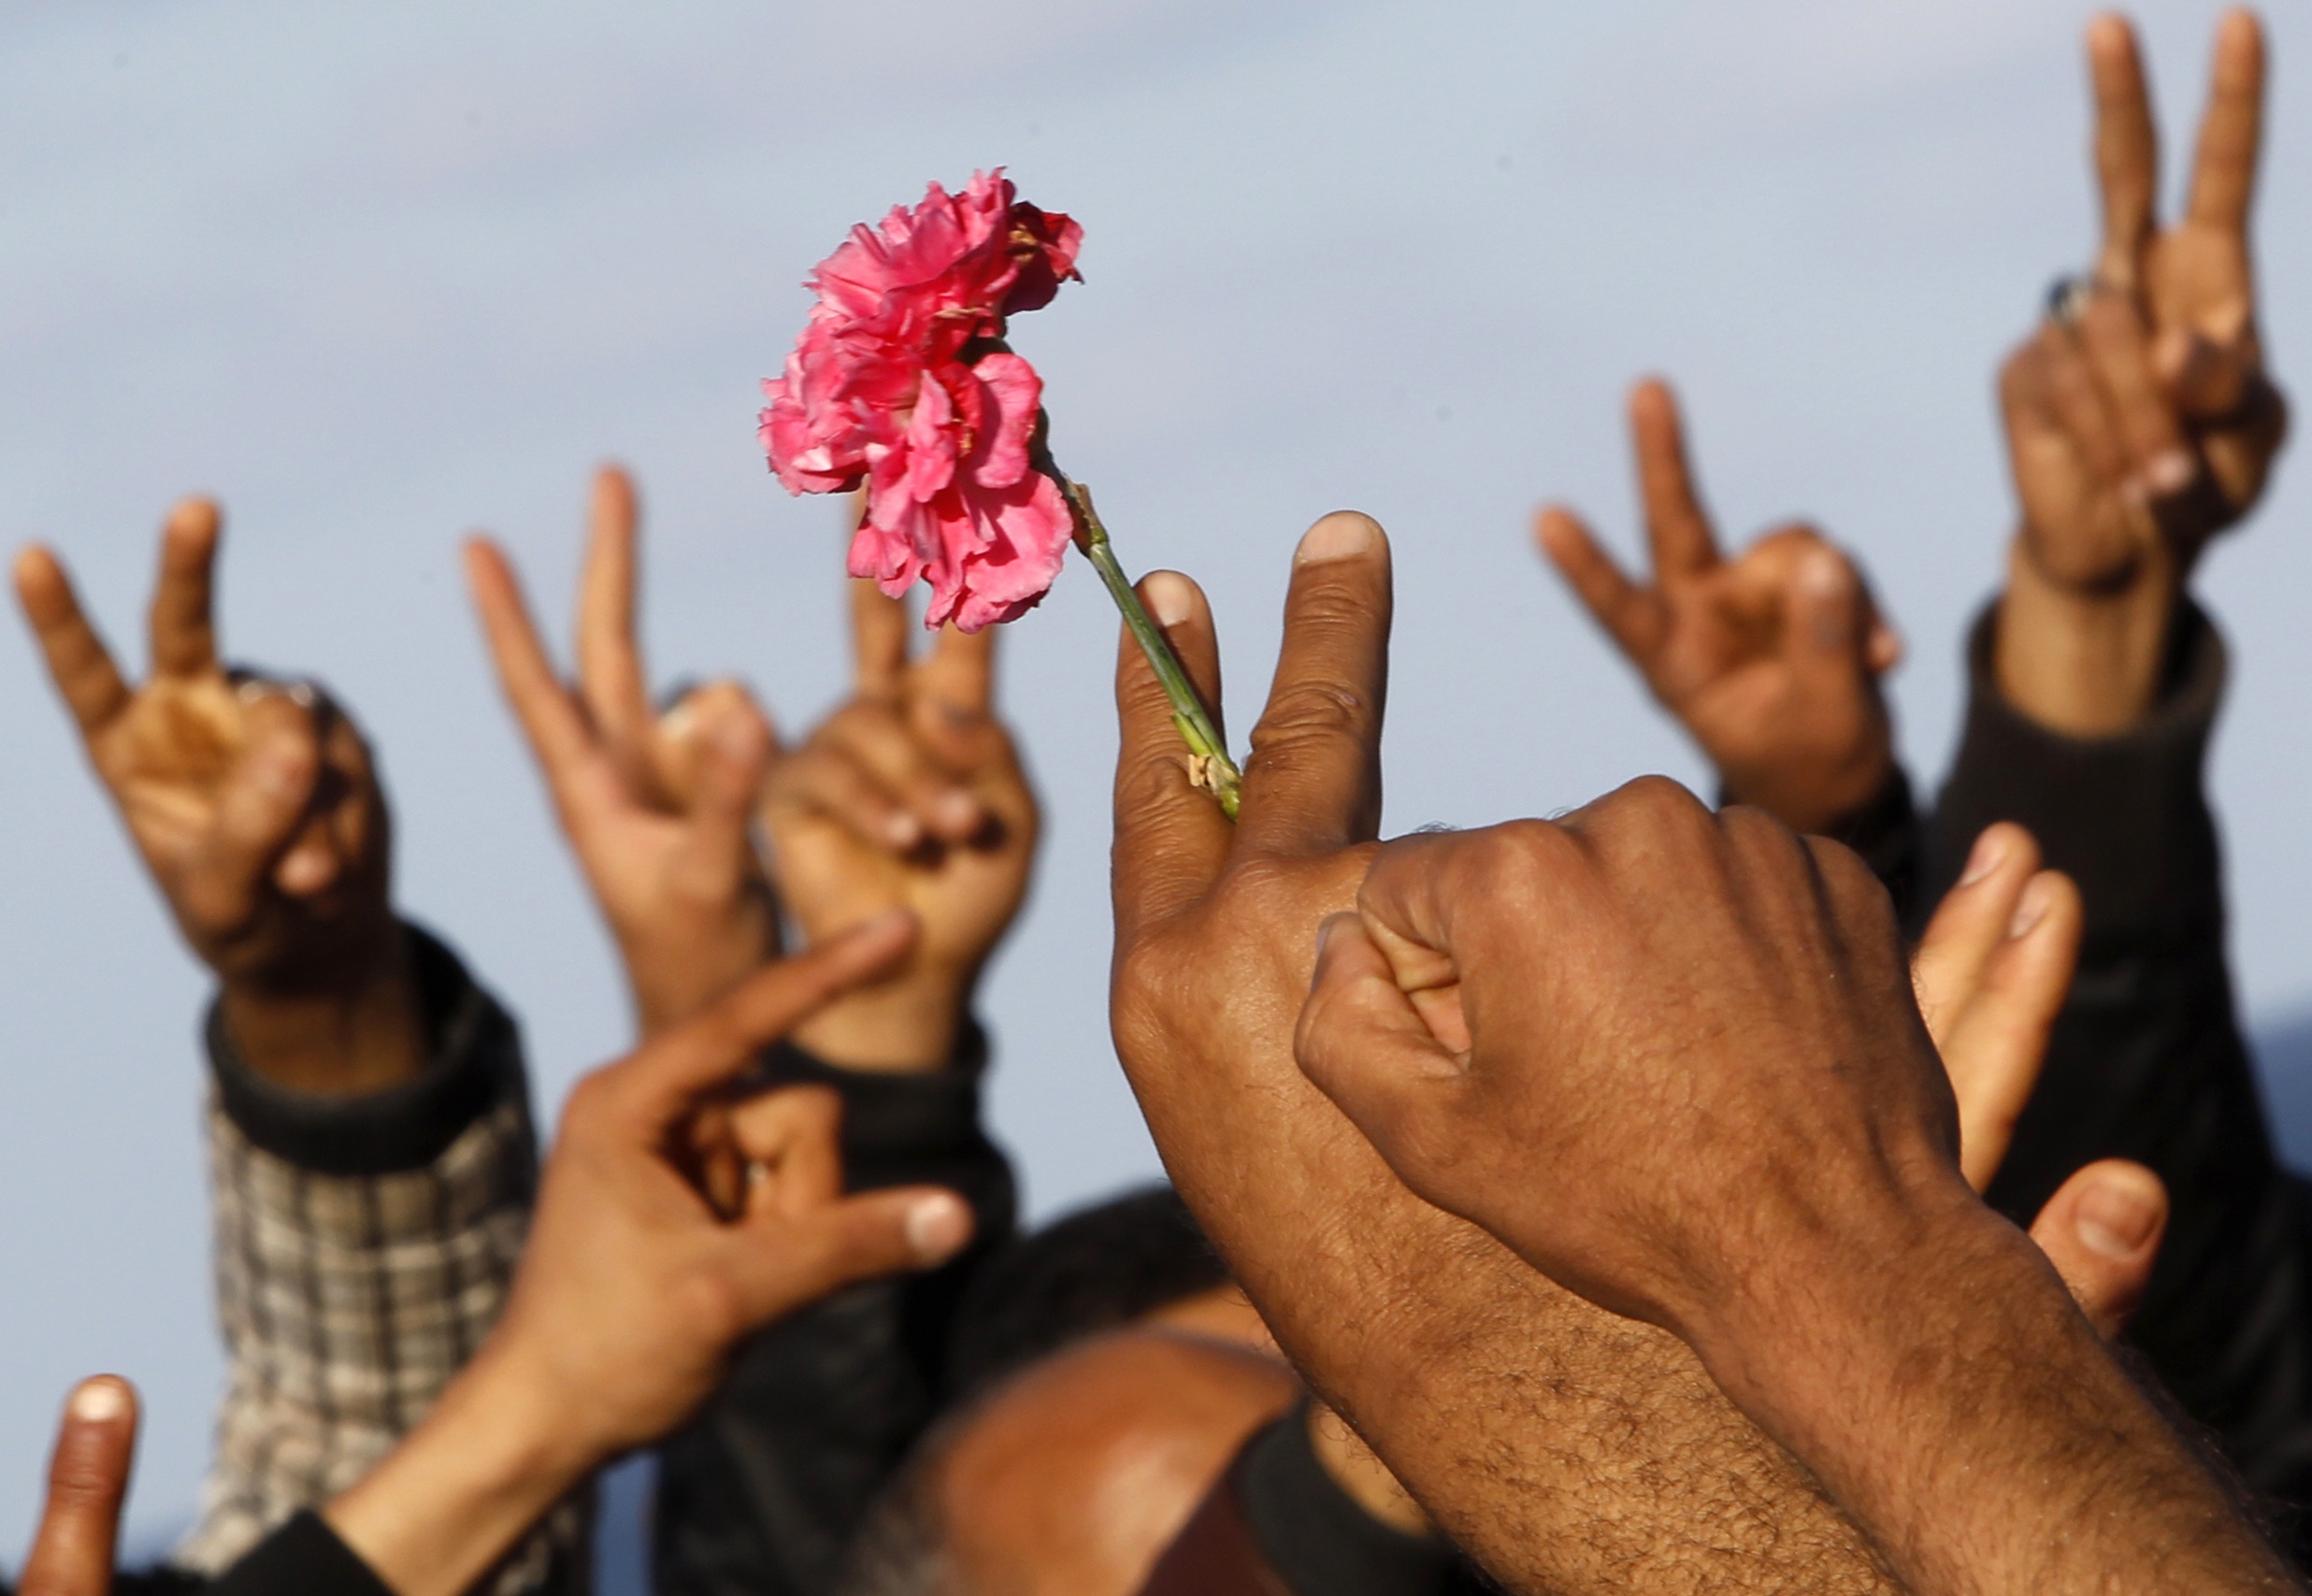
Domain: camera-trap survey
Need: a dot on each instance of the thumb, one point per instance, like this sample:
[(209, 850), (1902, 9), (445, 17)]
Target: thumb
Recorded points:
[(259, 810), (2102, 1231), (72, 1553), (1363, 1044), (780, 1264)]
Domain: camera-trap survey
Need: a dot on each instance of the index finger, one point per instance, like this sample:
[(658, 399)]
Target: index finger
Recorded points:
[(2223, 174), (2126, 148), (1314, 780), (610, 664), (78, 660), (1677, 528), (557, 731), (184, 637), (1171, 841)]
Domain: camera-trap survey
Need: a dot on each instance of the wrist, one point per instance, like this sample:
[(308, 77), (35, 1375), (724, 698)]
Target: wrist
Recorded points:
[(1836, 1281), (492, 1459), (361, 1031), (911, 1027), (2083, 661)]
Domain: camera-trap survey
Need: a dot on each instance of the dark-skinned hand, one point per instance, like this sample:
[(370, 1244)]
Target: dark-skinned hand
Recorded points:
[(257, 809), (676, 1217), (1771, 660), (1674, 1060), (658, 808), (911, 796), (2140, 419)]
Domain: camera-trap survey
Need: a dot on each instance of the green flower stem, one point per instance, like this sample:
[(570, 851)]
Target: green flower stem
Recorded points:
[(1210, 765)]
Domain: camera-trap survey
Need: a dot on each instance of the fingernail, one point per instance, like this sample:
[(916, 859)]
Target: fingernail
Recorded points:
[(1341, 536), (958, 811), (936, 1226), (2170, 473), (2031, 908), (1169, 596), (99, 1402), (903, 831), (1984, 860), (2115, 1219), (676, 722)]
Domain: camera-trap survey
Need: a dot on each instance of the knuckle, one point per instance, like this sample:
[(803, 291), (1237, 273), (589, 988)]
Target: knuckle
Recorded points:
[(1310, 714)]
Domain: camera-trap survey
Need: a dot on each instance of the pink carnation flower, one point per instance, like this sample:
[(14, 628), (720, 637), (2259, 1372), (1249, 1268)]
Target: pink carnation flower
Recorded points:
[(897, 382)]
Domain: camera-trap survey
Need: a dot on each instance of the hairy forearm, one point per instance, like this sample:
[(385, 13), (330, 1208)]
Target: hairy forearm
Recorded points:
[(363, 1034), (1566, 1449), (2084, 662), (1942, 1384)]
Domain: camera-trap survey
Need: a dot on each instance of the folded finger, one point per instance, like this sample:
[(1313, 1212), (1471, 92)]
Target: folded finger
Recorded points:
[(1363, 1042), (825, 780), (2118, 345), (791, 1139), (78, 663), (876, 737), (1314, 780)]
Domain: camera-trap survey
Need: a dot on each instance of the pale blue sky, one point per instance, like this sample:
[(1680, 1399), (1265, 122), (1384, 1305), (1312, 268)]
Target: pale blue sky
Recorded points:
[(376, 276)]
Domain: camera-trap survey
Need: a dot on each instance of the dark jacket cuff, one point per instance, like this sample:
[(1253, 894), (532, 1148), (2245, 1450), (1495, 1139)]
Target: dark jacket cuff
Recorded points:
[(303, 1556), (2125, 817), (1314, 1533), (896, 1119), (475, 1064)]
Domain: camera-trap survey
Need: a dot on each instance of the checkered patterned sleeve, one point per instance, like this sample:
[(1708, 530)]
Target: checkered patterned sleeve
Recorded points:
[(364, 1248)]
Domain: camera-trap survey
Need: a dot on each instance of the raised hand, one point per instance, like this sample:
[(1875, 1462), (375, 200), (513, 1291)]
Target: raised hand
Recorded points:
[(673, 1220), (1771, 660), (2194, 278), (72, 1551), (658, 807), (2140, 419), (909, 796), (256, 807), (1674, 1060)]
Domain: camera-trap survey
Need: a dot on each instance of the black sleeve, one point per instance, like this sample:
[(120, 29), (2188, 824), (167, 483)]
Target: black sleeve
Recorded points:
[(2147, 1061), (474, 1065), (301, 1558), (762, 1492), (1318, 1541)]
